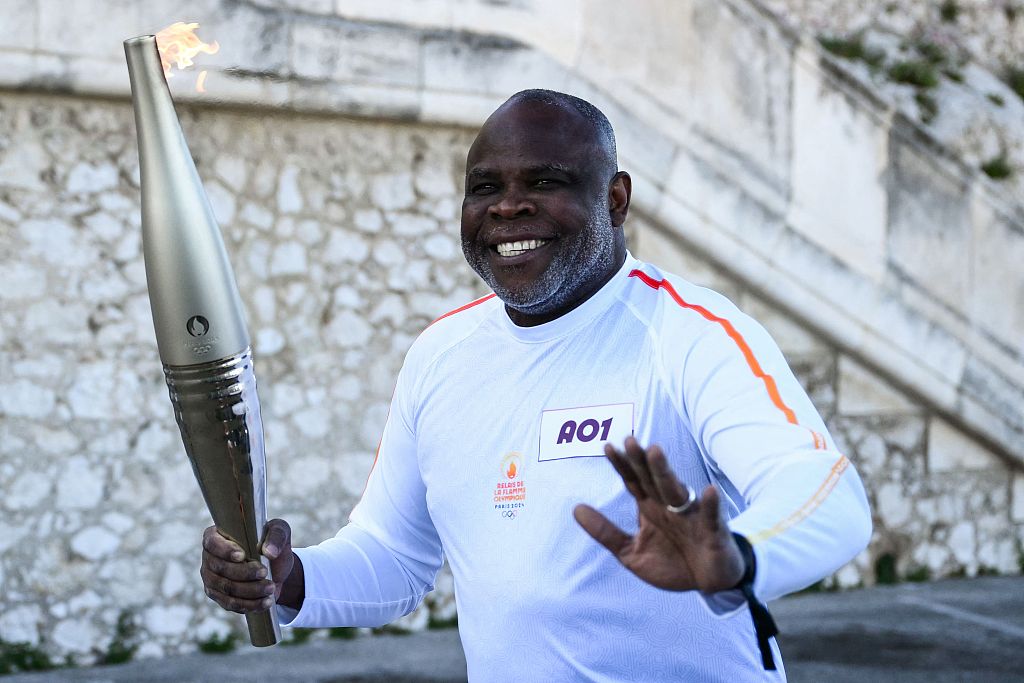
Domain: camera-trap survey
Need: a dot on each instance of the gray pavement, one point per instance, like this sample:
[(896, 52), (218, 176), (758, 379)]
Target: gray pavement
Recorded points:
[(954, 630)]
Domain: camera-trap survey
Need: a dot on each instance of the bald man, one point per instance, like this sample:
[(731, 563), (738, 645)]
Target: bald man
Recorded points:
[(590, 397)]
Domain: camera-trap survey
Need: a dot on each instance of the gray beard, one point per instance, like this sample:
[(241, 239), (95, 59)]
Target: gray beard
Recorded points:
[(575, 264)]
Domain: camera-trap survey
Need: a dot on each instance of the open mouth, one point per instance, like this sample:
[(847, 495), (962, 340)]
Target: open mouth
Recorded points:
[(510, 249)]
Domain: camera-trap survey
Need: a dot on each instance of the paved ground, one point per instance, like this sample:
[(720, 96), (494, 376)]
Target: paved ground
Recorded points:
[(960, 630)]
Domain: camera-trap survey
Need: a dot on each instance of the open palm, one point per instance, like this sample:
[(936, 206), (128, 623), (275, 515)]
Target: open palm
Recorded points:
[(693, 550)]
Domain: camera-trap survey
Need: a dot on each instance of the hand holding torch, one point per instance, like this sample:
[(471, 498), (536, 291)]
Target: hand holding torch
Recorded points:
[(200, 326)]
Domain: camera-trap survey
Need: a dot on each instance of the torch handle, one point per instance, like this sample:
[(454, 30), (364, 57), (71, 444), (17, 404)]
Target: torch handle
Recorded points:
[(218, 414), (263, 628)]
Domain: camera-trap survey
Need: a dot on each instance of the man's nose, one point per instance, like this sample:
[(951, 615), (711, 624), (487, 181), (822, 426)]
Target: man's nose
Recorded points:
[(512, 205)]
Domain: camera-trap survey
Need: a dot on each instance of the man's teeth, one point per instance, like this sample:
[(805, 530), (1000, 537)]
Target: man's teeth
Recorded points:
[(516, 248)]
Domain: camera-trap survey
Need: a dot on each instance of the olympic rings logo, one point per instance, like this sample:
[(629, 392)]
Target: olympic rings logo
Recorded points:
[(508, 514)]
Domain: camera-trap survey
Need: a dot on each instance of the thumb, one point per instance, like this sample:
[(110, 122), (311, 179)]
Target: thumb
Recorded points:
[(277, 539)]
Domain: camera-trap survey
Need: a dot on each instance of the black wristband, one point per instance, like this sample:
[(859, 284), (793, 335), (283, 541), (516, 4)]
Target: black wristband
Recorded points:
[(764, 626)]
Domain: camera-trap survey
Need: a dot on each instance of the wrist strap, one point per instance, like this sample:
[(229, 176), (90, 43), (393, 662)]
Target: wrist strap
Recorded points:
[(764, 625)]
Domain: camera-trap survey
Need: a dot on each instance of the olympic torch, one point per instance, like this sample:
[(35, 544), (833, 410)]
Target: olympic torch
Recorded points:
[(200, 326)]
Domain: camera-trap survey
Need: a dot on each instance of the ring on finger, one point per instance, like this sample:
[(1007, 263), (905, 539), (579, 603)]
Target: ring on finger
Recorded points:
[(691, 497)]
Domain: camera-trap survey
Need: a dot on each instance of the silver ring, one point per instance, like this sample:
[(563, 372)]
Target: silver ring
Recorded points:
[(680, 509)]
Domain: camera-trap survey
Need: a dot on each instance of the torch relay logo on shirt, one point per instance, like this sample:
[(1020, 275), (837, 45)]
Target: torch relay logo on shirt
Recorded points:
[(510, 491)]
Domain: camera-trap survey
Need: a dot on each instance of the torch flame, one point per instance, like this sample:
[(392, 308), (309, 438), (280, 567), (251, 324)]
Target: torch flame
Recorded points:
[(511, 470), (178, 44)]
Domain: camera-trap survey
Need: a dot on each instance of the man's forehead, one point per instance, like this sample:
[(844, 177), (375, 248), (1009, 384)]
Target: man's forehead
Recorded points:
[(535, 133), (538, 168)]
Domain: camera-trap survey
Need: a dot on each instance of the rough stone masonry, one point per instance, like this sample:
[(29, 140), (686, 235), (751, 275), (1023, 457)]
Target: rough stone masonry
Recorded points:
[(344, 241)]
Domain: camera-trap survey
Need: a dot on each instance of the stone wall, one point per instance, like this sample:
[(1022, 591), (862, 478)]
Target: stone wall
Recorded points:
[(740, 132), (342, 236), (331, 145)]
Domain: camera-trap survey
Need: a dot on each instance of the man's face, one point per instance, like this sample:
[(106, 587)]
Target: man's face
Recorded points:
[(536, 224)]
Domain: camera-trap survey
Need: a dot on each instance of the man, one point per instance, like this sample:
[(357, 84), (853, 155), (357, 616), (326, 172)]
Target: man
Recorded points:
[(499, 411)]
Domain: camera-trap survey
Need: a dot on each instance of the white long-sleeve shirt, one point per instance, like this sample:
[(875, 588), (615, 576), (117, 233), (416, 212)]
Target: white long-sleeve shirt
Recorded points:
[(496, 432)]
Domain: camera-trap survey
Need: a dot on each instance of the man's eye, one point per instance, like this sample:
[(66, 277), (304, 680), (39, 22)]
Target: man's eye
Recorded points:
[(481, 188), (546, 182)]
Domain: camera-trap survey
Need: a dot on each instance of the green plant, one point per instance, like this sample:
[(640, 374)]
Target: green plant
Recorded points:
[(217, 644), (124, 644), (15, 657), (919, 575), (997, 168), (949, 11), (996, 99), (953, 74), (436, 624), (1014, 77), (391, 630), (299, 636), (927, 105), (885, 569), (342, 632), (915, 72), (932, 52), (852, 48)]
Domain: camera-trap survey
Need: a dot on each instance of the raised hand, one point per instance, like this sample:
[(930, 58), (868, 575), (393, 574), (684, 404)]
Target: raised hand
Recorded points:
[(688, 550)]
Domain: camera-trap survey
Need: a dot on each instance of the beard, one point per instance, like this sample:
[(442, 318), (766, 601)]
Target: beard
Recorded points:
[(577, 262)]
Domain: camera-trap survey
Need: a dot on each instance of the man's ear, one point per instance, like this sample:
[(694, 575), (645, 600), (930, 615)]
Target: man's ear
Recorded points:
[(619, 191)]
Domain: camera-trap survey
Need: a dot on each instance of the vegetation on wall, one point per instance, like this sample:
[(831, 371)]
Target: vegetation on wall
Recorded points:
[(16, 657), (1014, 77), (125, 642), (218, 644), (997, 168), (922, 64)]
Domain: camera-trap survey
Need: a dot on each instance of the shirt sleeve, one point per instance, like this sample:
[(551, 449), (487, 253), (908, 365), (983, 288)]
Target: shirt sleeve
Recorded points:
[(801, 503), (380, 565)]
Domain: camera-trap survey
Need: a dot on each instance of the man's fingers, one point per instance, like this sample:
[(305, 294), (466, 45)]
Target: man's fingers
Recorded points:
[(618, 461), (601, 529), (637, 459), (247, 590), (235, 571), (710, 512), (238, 604), (220, 546), (277, 537), (669, 488)]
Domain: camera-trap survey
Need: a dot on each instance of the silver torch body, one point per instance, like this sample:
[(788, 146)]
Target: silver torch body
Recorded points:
[(200, 325)]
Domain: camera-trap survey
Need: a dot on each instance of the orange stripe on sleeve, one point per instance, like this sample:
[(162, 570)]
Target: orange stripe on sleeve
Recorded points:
[(840, 465), (809, 506), (748, 354)]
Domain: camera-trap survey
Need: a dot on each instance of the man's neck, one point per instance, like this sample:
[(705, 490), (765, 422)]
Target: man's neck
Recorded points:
[(522, 319)]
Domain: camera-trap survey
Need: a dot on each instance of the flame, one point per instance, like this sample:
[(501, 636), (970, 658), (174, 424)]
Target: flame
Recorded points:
[(200, 80), (511, 470), (178, 44)]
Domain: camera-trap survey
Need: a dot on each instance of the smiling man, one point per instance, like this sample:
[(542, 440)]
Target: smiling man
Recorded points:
[(591, 387), (544, 206)]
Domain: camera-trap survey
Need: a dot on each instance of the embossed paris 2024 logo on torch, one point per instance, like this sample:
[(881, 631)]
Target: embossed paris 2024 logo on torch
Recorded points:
[(582, 432), (197, 326)]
